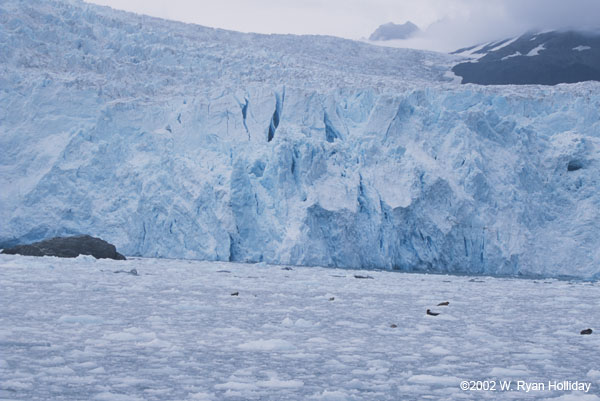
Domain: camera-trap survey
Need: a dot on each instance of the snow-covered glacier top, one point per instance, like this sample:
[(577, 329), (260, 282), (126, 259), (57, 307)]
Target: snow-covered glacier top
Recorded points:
[(124, 54), (175, 140)]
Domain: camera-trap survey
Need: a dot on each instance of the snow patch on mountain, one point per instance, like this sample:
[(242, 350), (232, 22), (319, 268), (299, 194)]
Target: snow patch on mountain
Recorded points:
[(515, 54), (536, 50)]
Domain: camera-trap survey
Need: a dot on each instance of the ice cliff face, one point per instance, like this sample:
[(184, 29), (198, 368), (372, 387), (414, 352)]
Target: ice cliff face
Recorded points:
[(174, 140)]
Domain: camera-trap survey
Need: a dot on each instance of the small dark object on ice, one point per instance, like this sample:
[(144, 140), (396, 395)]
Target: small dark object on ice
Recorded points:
[(393, 326), (443, 303), (133, 272), (235, 294), (286, 268), (223, 271), (332, 299), (359, 276), (430, 313), (68, 247), (586, 332), (476, 281)]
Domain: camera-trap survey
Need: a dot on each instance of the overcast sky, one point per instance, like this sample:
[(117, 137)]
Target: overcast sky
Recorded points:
[(448, 24)]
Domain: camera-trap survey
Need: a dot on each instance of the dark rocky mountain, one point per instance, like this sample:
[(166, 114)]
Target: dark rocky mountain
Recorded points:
[(68, 247), (547, 58), (391, 31)]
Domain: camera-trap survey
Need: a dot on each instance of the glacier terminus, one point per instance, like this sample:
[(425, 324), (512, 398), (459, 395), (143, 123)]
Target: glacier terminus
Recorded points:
[(178, 141)]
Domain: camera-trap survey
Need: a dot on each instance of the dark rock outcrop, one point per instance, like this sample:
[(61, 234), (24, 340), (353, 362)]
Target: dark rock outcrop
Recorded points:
[(68, 247), (547, 58), (391, 31)]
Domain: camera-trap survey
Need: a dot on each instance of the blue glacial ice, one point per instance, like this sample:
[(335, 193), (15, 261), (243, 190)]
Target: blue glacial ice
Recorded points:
[(179, 141)]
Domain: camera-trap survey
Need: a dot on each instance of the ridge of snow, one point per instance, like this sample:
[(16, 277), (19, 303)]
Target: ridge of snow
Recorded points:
[(472, 53), (507, 43)]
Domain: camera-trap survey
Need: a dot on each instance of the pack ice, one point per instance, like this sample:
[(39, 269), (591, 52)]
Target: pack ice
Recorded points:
[(180, 141)]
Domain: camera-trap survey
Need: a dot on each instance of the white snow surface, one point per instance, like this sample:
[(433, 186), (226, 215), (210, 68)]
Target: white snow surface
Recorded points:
[(73, 329), (154, 136), (504, 44), (536, 51), (515, 54), (473, 53), (581, 48)]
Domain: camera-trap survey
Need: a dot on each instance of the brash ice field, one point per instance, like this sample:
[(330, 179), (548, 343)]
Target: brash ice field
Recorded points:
[(73, 329)]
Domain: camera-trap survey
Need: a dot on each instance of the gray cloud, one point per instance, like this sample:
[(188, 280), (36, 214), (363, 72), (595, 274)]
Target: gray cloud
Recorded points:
[(481, 21)]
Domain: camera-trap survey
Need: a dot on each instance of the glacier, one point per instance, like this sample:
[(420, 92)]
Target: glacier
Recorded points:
[(173, 140)]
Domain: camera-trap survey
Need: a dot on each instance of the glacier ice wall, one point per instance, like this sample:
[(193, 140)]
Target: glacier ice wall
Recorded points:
[(473, 180), (414, 177)]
